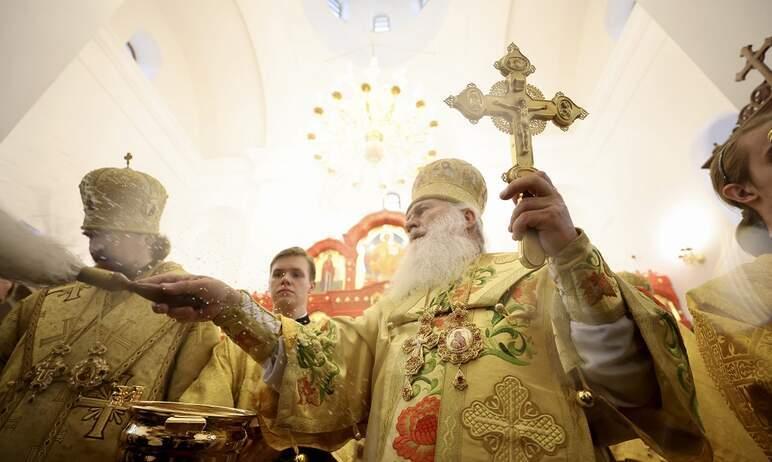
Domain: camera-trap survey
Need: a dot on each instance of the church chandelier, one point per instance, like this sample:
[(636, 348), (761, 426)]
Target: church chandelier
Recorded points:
[(371, 134)]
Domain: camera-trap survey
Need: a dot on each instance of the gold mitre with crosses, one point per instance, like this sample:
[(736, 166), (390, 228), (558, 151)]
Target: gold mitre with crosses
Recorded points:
[(452, 180), (761, 97), (122, 199)]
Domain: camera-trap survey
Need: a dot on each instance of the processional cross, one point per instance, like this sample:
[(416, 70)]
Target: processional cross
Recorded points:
[(520, 110)]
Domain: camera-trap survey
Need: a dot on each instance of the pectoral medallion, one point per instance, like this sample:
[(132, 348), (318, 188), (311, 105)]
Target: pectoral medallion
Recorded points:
[(460, 342), (92, 371)]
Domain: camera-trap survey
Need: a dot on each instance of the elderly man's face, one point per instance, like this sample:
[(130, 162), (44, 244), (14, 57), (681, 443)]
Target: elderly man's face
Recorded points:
[(422, 214)]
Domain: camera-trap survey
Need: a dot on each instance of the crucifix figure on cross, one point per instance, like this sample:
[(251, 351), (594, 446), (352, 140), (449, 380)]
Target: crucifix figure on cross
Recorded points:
[(520, 110)]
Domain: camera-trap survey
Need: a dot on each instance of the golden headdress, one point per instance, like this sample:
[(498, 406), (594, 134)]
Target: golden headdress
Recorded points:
[(761, 99), (122, 199), (452, 180)]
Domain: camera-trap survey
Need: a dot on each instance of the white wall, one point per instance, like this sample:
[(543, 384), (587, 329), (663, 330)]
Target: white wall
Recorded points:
[(38, 38), (712, 33)]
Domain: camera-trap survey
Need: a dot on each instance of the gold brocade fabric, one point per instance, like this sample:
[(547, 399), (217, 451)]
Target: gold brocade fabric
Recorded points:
[(733, 331), (143, 348), (232, 378), (728, 438), (519, 405)]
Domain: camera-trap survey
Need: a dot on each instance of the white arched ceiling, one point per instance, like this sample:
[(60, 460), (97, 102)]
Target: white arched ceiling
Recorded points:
[(209, 73)]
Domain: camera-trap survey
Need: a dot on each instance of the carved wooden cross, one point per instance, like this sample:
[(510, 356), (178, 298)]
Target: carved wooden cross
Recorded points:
[(102, 411), (519, 109)]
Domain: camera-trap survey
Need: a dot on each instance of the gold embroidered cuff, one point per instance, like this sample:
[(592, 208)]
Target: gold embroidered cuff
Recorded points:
[(574, 252), (587, 287), (251, 328)]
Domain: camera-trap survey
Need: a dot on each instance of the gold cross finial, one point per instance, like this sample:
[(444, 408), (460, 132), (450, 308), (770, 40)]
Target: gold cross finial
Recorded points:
[(755, 60), (128, 158), (520, 110)]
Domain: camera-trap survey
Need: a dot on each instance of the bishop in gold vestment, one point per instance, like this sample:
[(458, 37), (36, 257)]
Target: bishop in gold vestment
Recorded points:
[(497, 363), (64, 348)]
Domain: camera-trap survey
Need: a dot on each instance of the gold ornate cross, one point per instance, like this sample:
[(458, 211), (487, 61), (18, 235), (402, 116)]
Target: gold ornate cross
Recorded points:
[(520, 110), (102, 411), (128, 158)]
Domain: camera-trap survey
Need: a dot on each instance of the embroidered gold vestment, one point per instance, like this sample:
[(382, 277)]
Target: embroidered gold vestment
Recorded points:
[(733, 332), (142, 348)]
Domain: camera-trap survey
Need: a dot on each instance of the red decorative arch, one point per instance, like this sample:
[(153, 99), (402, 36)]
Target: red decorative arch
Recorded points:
[(373, 220)]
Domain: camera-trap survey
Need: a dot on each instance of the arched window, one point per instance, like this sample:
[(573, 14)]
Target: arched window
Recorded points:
[(144, 50)]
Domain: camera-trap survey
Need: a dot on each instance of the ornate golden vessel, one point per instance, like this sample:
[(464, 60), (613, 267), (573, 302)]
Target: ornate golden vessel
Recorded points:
[(179, 432)]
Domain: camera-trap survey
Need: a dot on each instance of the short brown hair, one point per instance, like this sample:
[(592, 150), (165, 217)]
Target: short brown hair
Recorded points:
[(297, 252), (731, 165)]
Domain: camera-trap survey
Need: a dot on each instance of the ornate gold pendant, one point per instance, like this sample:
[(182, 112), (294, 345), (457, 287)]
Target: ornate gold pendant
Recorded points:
[(413, 347), (92, 371), (44, 372), (461, 340)]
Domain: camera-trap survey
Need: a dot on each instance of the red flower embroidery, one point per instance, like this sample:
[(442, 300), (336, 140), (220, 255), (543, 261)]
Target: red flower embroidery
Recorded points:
[(308, 392), (595, 286), (417, 427), (524, 292)]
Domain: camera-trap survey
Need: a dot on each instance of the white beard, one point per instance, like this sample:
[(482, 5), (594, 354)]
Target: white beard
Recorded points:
[(436, 259)]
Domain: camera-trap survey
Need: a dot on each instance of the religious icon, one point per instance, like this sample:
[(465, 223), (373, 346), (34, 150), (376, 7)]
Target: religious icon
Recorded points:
[(331, 271), (459, 339), (328, 274), (379, 254)]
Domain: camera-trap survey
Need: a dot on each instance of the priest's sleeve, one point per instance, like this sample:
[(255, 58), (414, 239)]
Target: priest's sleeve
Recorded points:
[(191, 358), (323, 398), (637, 370), (216, 383)]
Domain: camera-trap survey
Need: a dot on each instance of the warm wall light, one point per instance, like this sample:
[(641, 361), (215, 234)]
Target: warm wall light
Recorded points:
[(690, 257), (686, 225)]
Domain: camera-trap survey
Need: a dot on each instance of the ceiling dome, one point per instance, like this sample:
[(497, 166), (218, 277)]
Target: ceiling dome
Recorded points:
[(412, 24)]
